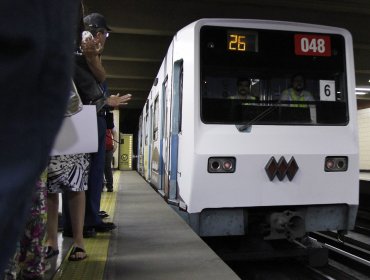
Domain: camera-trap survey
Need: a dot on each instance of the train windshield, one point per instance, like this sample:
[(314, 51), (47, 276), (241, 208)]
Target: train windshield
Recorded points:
[(253, 76)]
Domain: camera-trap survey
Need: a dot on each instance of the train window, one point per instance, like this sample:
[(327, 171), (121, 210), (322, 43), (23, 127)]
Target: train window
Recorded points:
[(277, 77), (177, 96)]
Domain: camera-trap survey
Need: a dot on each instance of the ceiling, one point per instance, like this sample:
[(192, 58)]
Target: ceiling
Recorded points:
[(142, 31)]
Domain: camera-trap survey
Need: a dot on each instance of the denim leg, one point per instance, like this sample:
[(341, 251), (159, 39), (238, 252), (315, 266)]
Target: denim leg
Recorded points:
[(108, 168), (93, 194)]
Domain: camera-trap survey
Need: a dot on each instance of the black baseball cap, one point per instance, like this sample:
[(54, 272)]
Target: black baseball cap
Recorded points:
[(96, 21)]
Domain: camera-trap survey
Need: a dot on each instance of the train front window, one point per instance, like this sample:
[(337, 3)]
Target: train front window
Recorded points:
[(254, 76)]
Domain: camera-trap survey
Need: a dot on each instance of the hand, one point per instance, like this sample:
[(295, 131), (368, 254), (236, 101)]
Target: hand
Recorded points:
[(117, 100), (91, 47)]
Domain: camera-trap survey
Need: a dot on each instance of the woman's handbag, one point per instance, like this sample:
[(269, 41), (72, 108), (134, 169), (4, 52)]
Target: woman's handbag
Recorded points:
[(79, 132), (74, 103)]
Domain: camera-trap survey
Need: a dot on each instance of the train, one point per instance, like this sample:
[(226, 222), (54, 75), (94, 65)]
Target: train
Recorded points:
[(234, 165)]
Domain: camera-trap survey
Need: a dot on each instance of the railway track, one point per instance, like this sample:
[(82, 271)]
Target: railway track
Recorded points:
[(351, 252), (363, 222), (322, 256)]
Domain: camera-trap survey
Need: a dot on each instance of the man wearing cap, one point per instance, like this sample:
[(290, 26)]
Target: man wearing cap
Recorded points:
[(91, 48)]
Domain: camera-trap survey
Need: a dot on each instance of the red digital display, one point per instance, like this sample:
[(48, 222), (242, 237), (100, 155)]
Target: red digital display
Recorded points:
[(312, 45)]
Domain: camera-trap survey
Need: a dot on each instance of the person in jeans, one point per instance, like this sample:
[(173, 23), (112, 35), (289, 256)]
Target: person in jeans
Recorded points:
[(111, 145)]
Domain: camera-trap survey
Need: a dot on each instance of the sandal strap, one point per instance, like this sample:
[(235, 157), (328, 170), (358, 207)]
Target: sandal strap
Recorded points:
[(74, 251), (77, 250)]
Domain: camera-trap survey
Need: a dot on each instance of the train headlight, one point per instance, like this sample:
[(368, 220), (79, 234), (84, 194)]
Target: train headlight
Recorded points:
[(221, 165), (336, 164)]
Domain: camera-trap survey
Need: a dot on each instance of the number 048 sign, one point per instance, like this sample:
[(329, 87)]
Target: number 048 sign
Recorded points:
[(312, 45), (327, 90)]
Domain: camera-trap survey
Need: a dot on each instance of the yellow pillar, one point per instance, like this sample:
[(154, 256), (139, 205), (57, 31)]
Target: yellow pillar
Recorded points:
[(125, 152)]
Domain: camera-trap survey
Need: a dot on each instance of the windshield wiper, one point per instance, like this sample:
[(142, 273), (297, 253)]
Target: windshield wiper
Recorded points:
[(247, 127)]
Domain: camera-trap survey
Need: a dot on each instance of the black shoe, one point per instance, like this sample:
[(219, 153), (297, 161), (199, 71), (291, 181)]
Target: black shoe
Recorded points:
[(109, 188), (87, 233), (103, 214), (104, 227)]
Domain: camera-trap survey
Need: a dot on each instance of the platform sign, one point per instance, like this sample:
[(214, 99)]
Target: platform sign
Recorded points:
[(125, 152)]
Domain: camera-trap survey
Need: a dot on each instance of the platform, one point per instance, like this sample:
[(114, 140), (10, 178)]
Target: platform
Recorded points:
[(365, 176), (150, 242)]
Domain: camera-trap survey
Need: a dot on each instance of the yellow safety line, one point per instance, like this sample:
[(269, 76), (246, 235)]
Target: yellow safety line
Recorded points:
[(97, 248)]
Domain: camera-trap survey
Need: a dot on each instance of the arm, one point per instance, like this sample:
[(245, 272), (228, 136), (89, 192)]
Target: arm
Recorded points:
[(117, 100), (96, 67), (91, 50)]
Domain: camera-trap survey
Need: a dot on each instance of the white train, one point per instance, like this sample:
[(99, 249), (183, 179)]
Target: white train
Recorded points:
[(260, 162)]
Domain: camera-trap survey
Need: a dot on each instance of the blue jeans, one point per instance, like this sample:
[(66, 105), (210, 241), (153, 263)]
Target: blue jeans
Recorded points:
[(108, 173), (96, 176)]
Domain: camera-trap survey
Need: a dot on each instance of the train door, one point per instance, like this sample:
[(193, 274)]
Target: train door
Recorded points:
[(166, 124), (140, 146), (146, 125), (150, 142), (161, 105), (156, 149), (175, 129)]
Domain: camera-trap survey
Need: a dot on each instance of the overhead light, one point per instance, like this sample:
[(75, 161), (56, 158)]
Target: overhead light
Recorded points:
[(363, 89)]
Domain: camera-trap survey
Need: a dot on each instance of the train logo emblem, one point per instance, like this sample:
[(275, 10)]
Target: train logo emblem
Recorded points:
[(281, 168)]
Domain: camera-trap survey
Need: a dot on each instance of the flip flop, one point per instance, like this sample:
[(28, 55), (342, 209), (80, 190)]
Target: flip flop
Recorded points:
[(73, 254), (50, 252)]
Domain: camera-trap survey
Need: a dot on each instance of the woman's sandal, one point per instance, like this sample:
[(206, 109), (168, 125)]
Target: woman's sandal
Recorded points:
[(73, 256), (50, 252)]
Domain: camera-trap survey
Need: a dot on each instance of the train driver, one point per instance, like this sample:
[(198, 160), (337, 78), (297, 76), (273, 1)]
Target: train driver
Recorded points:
[(243, 90), (297, 92)]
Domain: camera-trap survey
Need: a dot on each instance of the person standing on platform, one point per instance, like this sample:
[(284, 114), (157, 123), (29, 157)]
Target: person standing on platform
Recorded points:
[(111, 145), (29, 260), (92, 49), (36, 66)]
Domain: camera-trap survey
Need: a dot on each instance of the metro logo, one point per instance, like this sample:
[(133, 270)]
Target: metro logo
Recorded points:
[(312, 45)]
